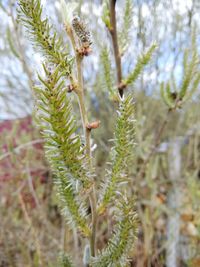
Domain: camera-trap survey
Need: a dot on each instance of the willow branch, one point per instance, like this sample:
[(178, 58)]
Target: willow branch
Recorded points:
[(79, 90), (113, 32)]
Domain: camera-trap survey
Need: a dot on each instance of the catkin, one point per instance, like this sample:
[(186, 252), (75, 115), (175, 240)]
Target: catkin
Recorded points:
[(81, 31)]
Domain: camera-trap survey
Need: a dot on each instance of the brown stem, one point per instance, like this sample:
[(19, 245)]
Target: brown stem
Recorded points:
[(94, 222), (87, 132), (113, 32), (33, 230)]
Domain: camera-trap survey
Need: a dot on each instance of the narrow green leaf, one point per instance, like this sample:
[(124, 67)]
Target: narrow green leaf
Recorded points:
[(142, 61), (120, 153), (11, 44)]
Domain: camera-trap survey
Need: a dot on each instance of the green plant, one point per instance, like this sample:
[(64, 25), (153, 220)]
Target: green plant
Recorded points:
[(70, 160), (175, 97)]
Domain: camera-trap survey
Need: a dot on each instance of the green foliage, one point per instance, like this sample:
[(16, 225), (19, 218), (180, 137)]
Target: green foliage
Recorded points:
[(121, 152), (142, 61), (65, 261), (2, 7), (70, 161), (126, 27), (167, 95), (63, 145), (106, 14), (107, 71), (11, 44), (191, 75), (42, 34), (174, 97), (120, 244)]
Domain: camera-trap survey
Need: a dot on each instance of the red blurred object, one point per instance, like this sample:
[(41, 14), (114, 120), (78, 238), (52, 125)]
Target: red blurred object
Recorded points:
[(21, 156)]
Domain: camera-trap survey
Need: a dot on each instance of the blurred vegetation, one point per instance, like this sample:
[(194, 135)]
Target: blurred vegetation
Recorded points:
[(32, 231)]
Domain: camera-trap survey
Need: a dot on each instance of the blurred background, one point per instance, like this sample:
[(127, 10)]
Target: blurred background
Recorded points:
[(165, 180)]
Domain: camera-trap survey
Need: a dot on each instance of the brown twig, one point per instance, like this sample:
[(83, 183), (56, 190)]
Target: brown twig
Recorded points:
[(33, 230), (79, 90), (113, 32)]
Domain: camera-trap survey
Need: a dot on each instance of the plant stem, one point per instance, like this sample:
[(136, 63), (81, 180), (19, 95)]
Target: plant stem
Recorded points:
[(94, 221), (87, 133), (113, 32), (92, 195), (32, 229)]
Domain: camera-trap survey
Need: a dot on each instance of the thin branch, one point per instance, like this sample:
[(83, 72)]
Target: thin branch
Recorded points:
[(33, 230), (20, 147), (79, 90), (113, 32)]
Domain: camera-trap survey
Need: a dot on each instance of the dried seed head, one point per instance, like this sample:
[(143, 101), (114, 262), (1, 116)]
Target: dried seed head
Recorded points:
[(81, 31)]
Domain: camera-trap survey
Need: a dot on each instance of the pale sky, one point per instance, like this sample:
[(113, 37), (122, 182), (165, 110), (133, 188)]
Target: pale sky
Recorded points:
[(166, 62)]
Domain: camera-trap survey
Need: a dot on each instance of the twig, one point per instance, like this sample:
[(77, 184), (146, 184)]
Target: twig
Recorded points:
[(31, 187), (30, 224), (79, 90), (113, 32), (20, 147)]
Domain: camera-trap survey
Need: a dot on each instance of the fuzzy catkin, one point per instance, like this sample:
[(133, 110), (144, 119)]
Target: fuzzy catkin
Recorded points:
[(81, 31)]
